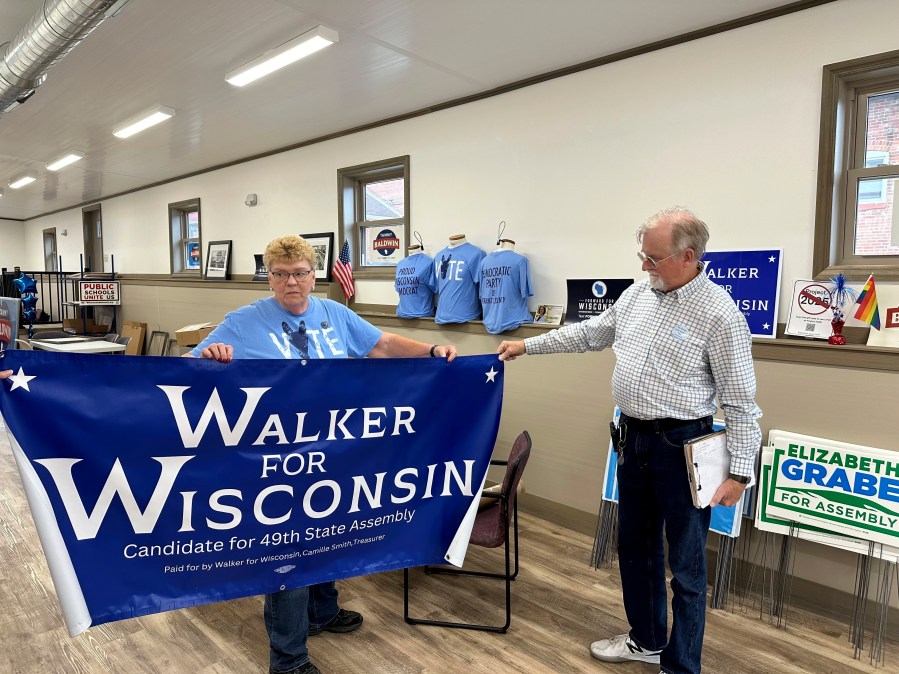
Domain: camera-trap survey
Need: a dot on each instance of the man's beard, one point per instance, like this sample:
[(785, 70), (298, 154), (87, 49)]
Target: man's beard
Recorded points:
[(656, 283)]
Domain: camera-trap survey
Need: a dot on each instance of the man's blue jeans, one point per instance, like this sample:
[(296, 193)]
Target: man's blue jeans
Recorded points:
[(288, 615), (654, 492)]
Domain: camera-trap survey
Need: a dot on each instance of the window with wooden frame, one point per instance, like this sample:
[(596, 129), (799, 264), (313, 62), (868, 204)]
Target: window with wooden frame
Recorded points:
[(856, 223), (185, 240), (373, 216)]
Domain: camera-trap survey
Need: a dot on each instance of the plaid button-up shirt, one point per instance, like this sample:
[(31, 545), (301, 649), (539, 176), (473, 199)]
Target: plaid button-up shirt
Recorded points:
[(678, 354)]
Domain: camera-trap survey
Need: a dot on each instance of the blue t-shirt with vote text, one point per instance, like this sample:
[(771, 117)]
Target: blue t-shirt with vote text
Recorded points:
[(264, 329), (456, 272)]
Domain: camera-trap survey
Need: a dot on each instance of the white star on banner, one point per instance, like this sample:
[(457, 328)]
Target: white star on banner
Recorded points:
[(20, 380), (765, 326), (772, 259), (491, 374)]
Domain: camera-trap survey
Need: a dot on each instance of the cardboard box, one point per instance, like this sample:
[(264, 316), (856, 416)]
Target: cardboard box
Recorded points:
[(79, 326), (136, 331), (191, 335)]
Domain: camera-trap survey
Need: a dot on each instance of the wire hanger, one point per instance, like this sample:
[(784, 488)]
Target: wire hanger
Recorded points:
[(499, 231)]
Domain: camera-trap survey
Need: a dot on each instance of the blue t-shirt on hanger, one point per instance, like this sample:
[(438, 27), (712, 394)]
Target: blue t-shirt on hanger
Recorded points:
[(327, 329), (415, 284), (505, 285), (456, 272)]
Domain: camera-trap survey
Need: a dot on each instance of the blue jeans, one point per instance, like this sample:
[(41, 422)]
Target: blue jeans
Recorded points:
[(288, 615), (654, 492)]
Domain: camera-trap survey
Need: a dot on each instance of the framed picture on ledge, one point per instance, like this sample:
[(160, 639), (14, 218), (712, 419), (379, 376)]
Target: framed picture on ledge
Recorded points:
[(323, 245), (218, 260), (261, 273), (548, 314)]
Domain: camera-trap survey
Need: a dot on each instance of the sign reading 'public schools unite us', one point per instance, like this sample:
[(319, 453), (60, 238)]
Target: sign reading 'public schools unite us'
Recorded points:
[(846, 489), (160, 483), (99, 292)]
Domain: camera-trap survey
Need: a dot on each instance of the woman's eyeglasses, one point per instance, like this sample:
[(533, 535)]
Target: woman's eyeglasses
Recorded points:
[(298, 275)]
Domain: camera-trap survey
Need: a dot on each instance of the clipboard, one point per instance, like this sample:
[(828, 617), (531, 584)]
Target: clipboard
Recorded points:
[(708, 466)]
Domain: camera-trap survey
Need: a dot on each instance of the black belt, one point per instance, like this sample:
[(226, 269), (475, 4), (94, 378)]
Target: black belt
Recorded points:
[(659, 425)]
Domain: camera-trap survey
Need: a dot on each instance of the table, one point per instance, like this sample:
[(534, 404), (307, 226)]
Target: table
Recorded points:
[(77, 345)]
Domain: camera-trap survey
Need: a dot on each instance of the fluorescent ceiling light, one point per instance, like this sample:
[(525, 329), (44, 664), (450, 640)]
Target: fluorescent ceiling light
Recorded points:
[(21, 182), (65, 160), (307, 43), (150, 118)]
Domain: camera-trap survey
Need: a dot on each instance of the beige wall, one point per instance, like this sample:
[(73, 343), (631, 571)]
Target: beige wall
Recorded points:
[(727, 125), (12, 245)]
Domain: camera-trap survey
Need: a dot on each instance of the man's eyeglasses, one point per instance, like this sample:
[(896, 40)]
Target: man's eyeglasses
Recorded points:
[(298, 275), (652, 261)]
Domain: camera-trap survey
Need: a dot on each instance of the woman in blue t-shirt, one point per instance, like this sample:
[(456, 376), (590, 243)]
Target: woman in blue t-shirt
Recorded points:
[(293, 324)]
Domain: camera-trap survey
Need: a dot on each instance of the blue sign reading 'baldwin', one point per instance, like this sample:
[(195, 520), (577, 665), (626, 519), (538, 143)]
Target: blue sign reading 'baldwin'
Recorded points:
[(386, 242)]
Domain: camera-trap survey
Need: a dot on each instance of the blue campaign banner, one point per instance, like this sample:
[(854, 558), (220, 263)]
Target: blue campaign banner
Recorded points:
[(610, 474), (161, 483), (752, 277)]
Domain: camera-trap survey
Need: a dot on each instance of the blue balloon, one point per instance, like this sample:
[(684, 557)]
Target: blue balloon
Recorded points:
[(27, 288)]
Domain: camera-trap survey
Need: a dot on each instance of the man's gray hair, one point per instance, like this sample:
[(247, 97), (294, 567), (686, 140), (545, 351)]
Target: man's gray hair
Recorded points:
[(687, 231)]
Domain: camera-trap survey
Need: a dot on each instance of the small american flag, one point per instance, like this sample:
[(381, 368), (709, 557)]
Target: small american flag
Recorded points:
[(343, 270)]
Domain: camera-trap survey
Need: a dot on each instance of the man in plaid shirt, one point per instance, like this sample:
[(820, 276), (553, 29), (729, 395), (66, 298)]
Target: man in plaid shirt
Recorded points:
[(682, 349)]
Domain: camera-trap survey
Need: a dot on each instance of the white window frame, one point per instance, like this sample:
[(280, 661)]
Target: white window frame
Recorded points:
[(178, 238), (351, 184)]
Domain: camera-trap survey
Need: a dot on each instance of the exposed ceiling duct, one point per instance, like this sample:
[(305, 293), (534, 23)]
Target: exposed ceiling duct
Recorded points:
[(54, 30)]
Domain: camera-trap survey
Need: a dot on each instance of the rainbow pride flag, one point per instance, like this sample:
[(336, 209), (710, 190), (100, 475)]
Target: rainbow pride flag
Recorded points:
[(867, 304)]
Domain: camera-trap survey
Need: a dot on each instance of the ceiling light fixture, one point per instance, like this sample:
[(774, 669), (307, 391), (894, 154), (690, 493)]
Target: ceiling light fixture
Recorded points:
[(293, 50), (65, 160), (149, 118), (21, 182)]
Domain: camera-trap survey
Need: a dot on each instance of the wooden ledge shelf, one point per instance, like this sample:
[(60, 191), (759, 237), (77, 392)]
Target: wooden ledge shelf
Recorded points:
[(816, 352), (791, 350)]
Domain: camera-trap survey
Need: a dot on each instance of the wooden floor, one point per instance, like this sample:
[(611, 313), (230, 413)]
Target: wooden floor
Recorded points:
[(560, 605)]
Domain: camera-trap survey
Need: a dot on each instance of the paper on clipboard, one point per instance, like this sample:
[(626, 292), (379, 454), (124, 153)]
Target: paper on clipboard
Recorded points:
[(708, 466)]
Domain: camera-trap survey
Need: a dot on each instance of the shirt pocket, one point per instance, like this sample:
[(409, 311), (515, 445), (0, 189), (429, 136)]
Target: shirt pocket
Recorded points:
[(679, 361)]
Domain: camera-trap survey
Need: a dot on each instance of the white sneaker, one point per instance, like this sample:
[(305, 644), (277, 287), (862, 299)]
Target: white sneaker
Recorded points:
[(622, 649)]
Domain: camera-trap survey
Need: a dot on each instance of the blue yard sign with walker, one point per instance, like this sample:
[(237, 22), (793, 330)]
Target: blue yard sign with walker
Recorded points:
[(752, 277)]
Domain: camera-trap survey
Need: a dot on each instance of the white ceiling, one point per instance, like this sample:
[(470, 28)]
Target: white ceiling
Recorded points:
[(393, 57)]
